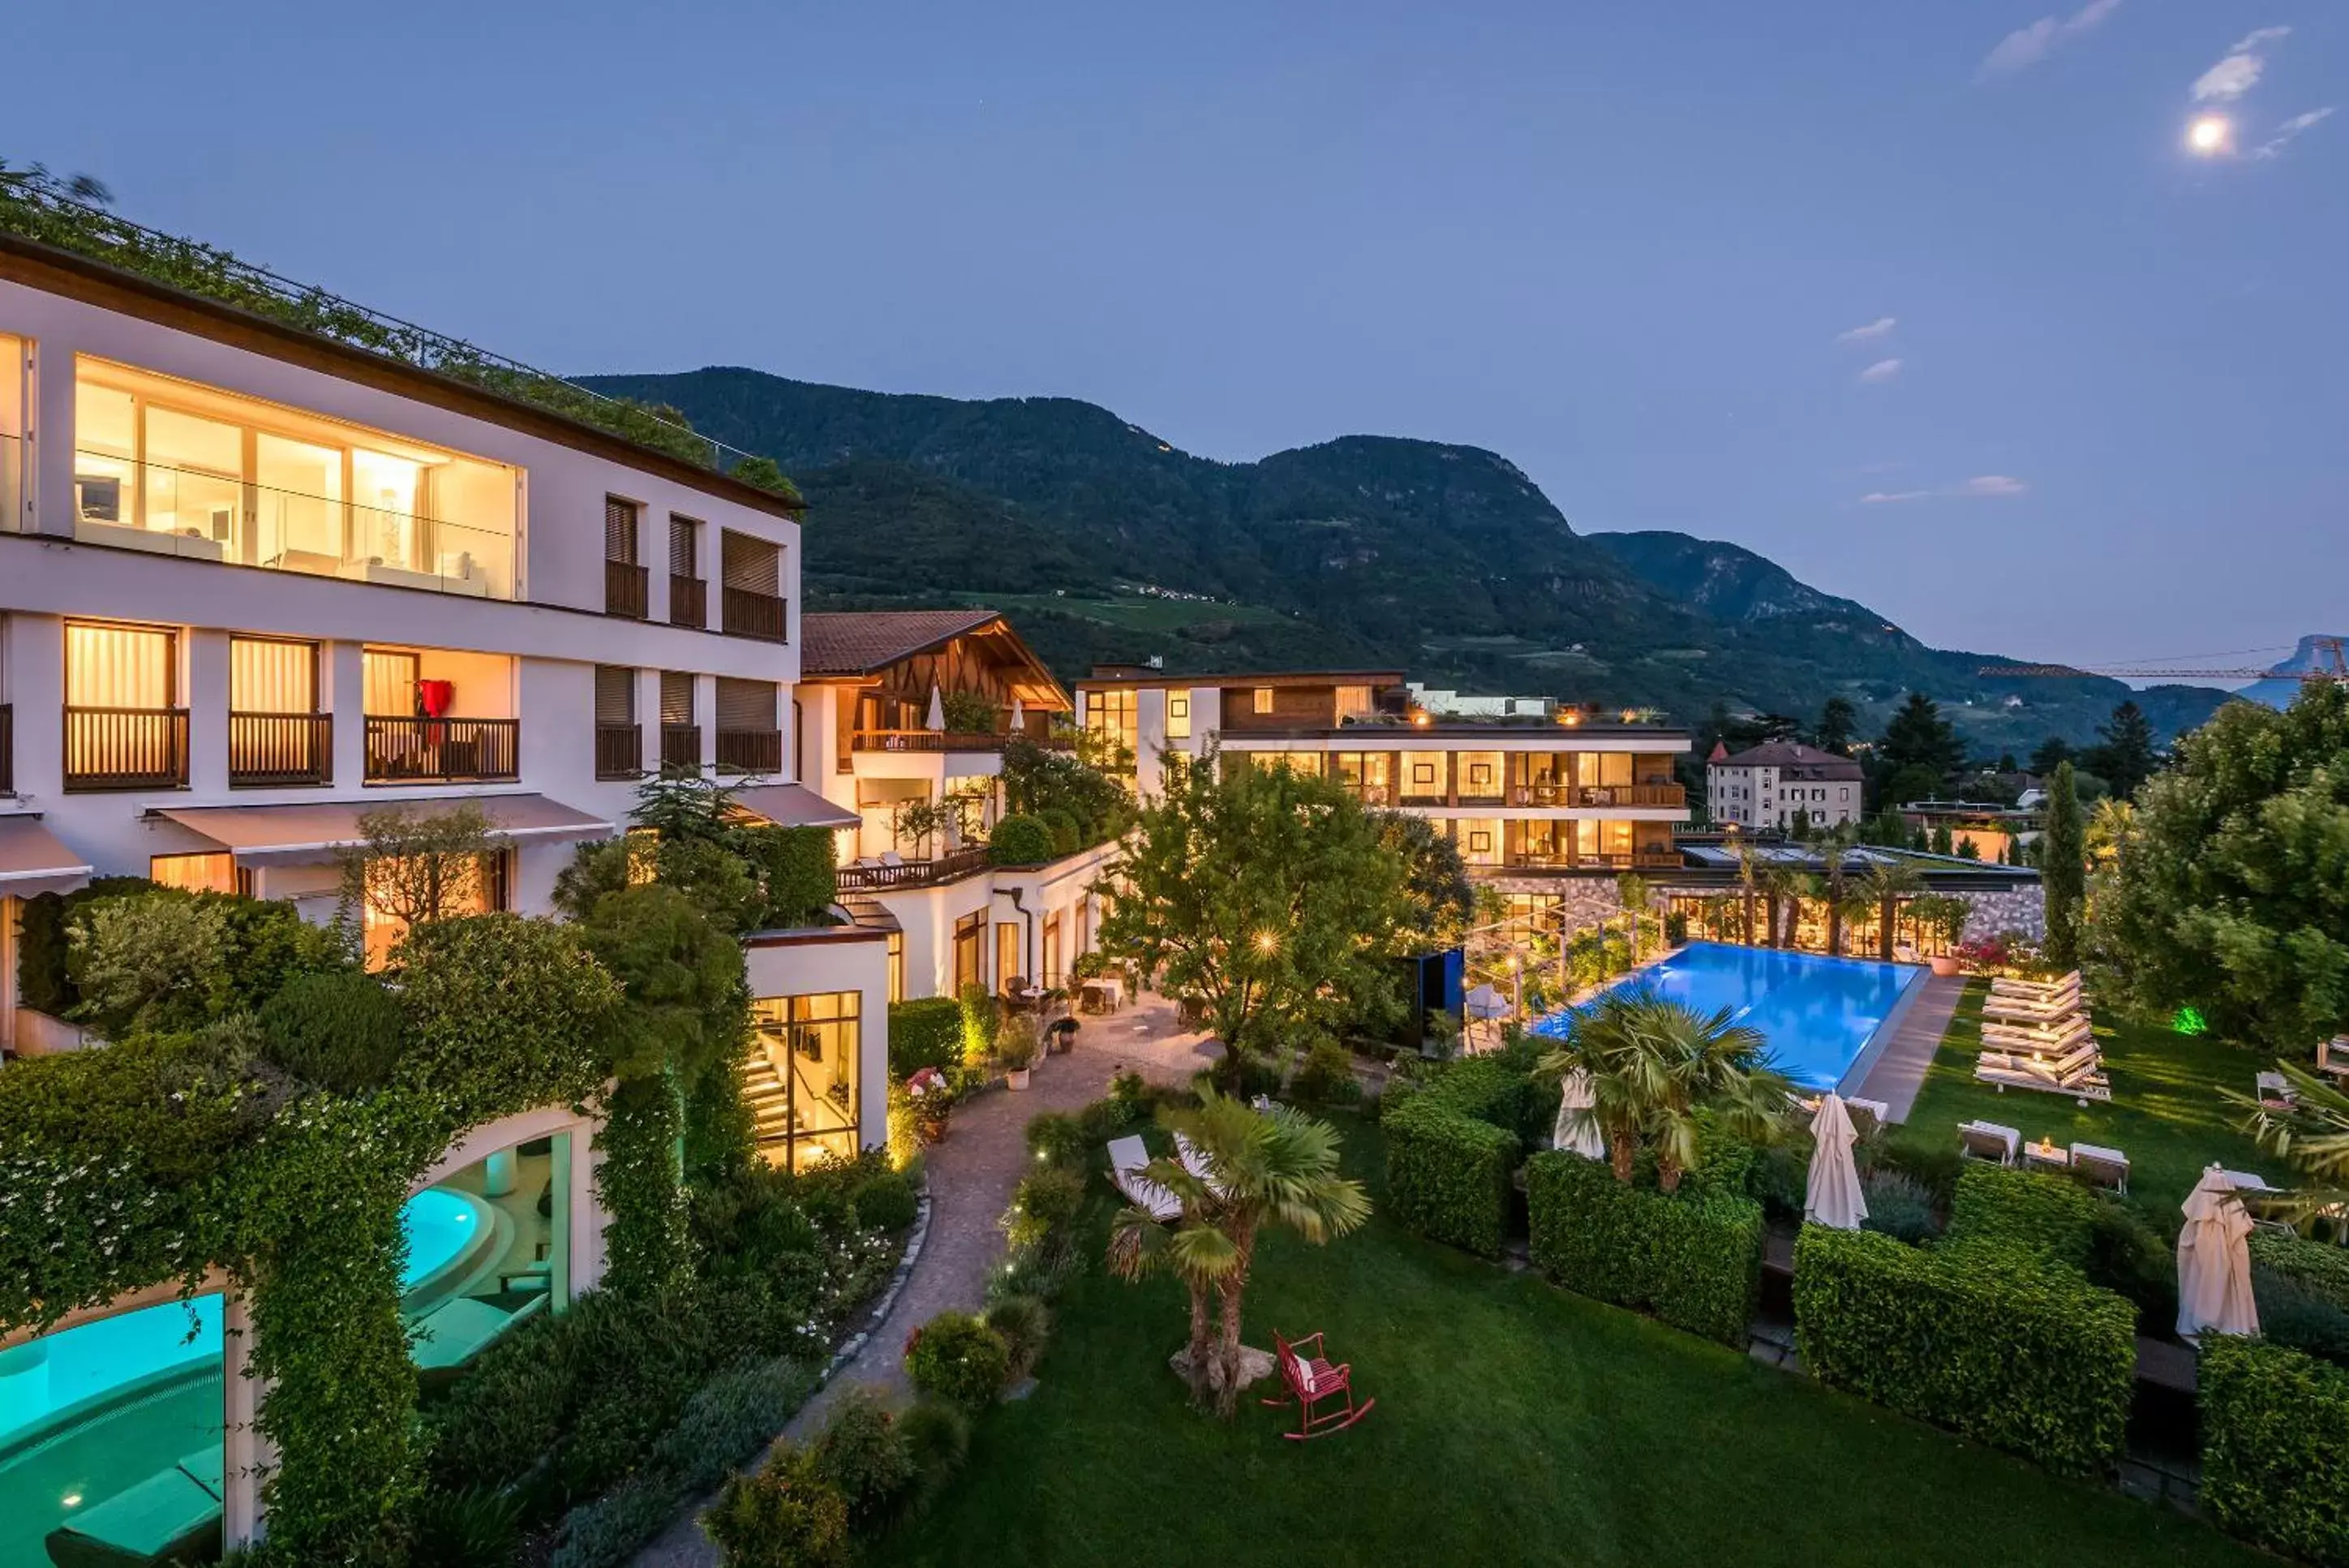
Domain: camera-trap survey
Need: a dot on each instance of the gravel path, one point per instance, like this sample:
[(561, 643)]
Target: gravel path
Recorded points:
[(971, 1175)]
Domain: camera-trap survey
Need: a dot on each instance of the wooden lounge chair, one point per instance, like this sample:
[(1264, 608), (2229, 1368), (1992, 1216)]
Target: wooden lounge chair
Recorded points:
[(2275, 1092), (1877, 1111), (1312, 1381), (1988, 1141), (1127, 1156), (2005, 986), (2333, 1057), (2053, 1042), (2105, 1167), (2030, 1010), (2075, 1075)]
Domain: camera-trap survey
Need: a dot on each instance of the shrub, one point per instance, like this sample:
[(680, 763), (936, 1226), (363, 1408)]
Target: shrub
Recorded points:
[(887, 1202), (1899, 1205), (959, 1359), (927, 1032), (937, 1437), (1026, 1323), (1019, 840), (1067, 834), (1058, 1139), (1043, 1203), (1101, 1121), (862, 1454), (464, 1528), (1936, 1167), (2302, 1291), (785, 1516), (340, 1030), (2275, 1447), (2129, 1257), (982, 1015), (1984, 1337), (1448, 1174), (2051, 1216), (155, 959), (1326, 1077), (1694, 1258), (794, 869)]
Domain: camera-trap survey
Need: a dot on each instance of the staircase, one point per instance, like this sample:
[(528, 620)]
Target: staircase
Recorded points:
[(769, 1101)]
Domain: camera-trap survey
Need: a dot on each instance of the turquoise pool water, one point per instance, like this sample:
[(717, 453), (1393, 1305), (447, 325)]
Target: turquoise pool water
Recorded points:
[(1818, 1013), (441, 1227)]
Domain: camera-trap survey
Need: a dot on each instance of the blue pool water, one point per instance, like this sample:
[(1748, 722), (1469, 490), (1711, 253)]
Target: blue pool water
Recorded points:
[(440, 1225), (1818, 1013)]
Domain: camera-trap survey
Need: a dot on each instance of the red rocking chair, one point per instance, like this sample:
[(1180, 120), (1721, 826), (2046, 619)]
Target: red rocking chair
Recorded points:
[(1313, 1382)]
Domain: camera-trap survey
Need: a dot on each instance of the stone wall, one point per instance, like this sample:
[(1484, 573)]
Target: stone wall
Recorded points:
[(1584, 901), (2023, 909)]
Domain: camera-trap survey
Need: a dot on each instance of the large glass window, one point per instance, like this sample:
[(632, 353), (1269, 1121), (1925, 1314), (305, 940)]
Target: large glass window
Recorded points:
[(1178, 715), (119, 667), (488, 1249), (1109, 717), (267, 675), (803, 1088), (969, 951)]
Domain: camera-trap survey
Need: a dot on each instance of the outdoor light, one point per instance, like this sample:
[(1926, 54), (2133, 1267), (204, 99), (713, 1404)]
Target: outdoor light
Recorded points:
[(1420, 718), (1570, 717), (1266, 943)]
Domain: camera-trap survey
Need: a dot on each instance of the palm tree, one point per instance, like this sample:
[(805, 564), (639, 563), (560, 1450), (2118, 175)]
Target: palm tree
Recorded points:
[(2110, 826), (1653, 1064), (1277, 1167), (1887, 882), (1783, 887), (1749, 861), (2313, 1135), (1833, 845)]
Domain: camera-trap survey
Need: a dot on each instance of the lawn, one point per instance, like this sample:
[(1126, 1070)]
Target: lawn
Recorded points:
[(2165, 1112), (1516, 1424)]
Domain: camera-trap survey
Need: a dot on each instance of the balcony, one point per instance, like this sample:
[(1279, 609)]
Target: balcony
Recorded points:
[(864, 878), (619, 751), (1375, 795), (948, 741), (681, 747), (1601, 796), (688, 602), (750, 751), (277, 749), (442, 751), (627, 589), (126, 747), (1635, 860), (752, 614)]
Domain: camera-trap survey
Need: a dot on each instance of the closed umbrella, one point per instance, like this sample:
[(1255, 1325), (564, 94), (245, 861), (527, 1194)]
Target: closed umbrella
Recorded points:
[(2214, 1260), (1833, 1198), (1577, 1128), (937, 720), (1018, 716)]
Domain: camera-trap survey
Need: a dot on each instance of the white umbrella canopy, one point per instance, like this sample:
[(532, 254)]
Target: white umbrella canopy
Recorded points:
[(1578, 1130), (2214, 1260), (1833, 1196), (1485, 1003), (938, 717)]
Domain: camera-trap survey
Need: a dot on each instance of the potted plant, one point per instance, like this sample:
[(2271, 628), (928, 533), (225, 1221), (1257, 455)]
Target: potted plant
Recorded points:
[(1946, 916), (1016, 1048)]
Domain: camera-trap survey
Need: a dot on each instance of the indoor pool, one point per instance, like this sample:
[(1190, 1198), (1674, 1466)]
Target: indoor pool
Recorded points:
[(443, 1226), (1819, 1014)]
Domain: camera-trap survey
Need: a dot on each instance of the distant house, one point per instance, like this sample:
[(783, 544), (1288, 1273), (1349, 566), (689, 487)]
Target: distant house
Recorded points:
[(1994, 831), (1765, 786)]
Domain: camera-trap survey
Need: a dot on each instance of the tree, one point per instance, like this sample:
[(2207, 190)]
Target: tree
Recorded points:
[(1784, 885), (1436, 878), (1037, 781), (1262, 1169), (1918, 739), (2128, 757), (2231, 895), (2065, 868), (1800, 826), (1838, 893), (1889, 881), (1270, 897), (1633, 893), (2052, 754), (1749, 877), (1653, 1064), (2109, 827), (1839, 722), (416, 867), (2313, 1133)]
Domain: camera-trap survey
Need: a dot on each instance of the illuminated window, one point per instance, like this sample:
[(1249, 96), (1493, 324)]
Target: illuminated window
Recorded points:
[(1178, 715), (477, 885), (897, 966), (199, 873), (1110, 717), (267, 675), (119, 667), (1260, 700), (807, 1048), (1422, 772), (1480, 841), (969, 951), (1353, 702), (1007, 955)]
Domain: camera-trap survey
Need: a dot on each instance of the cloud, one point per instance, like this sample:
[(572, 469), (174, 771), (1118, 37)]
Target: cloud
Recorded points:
[(1980, 487), (2238, 72), (2290, 129), (1870, 333), (2026, 47), (1882, 370)]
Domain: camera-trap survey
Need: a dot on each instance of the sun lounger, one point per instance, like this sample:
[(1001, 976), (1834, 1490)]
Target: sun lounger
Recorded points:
[(2079, 1078), (2006, 987), (2040, 1041), (1878, 1111), (2274, 1091), (452, 1335), (2031, 1009), (174, 1514), (2332, 1056), (1127, 1156), (2106, 1167), (2080, 1057), (1988, 1141), (1197, 1163)]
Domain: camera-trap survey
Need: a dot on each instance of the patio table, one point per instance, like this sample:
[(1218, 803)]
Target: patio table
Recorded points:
[(2054, 1157)]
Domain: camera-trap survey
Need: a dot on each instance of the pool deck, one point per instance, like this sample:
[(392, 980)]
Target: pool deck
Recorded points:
[(1899, 1070)]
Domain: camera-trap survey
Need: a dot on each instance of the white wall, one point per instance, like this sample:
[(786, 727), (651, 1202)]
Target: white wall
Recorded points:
[(834, 959)]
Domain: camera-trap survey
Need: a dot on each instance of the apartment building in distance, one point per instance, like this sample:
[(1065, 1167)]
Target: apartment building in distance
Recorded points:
[(1542, 805), (1767, 785)]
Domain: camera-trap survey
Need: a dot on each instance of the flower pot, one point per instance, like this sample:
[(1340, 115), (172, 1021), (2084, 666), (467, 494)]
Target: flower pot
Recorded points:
[(1943, 965), (1016, 1077)]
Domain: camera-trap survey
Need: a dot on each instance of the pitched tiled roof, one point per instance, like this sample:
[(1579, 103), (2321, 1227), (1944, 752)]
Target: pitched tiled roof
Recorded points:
[(858, 642), (1793, 760)]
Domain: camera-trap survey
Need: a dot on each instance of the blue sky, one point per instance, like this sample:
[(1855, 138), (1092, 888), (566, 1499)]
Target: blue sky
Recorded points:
[(1650, 251)]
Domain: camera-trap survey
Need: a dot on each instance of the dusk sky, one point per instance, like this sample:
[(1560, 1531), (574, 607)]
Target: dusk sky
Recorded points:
[(1934, 304)]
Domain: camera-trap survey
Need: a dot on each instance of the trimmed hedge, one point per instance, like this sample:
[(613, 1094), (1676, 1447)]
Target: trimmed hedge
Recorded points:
[(2320, 1269), (2275, 1447), (926, 1032), (1692, 1258), (1984, 1337), (1448, 1174), (1019, 841), (2051, 1217)]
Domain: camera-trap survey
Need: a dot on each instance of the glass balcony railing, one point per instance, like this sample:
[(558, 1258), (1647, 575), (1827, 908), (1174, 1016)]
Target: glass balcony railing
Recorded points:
[(220, 517)]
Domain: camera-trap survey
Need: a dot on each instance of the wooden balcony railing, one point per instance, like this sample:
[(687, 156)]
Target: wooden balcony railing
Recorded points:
[(752, 614), (442, 751), (750, 751), (949, 740), (864, 878), (126, 747), (280, 749), (1638, 859), (619, 751), (7, 748), (688, 602), (1669, 795), (626, 590), (681, 746)]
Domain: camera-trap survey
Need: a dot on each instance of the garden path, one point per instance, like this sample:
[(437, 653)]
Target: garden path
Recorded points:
[(1899, 1071), (971, 1174)]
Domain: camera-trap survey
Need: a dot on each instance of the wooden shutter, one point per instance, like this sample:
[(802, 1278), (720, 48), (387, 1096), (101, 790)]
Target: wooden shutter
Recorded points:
[(684, 554), (619, 530), (676, 697), (750, 564), (616, 694), (745, 704)]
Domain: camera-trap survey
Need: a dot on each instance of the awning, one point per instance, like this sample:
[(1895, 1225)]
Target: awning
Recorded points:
[(793, 805), (294, 833), (32, 861)]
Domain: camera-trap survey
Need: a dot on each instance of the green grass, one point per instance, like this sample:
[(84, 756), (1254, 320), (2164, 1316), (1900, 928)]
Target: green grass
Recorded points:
[(2165, 1113), (1516, 1424)]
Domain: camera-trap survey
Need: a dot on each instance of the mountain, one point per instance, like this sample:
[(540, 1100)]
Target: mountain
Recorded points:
[(1104, 541), (2322, 650)]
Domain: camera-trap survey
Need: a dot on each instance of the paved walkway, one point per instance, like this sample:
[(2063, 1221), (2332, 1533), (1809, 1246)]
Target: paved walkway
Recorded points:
[(971, 1175), (1899, 1071)]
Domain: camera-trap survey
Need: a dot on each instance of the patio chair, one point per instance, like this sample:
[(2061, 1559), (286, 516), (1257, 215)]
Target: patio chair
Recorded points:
[(1313, 1382), (1127, 1156), (893, 860), (2275, 1092), (2105, 1167), (2333, 1057), (1988, 1141)]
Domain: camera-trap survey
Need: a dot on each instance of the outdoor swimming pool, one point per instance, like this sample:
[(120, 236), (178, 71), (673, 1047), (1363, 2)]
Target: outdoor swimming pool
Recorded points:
[(1820, 1013)]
